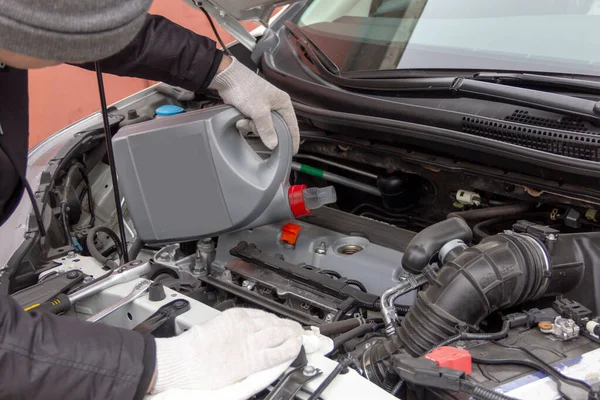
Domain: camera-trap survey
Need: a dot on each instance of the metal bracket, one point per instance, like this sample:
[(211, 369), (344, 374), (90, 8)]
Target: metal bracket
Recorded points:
[(290, 384)]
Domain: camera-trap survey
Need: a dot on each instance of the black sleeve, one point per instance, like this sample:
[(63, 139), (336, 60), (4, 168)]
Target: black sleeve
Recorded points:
[(164, 51), (44, 356)]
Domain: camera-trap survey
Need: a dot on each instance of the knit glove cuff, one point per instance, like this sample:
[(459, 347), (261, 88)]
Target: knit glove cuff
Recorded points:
[(256, 99)]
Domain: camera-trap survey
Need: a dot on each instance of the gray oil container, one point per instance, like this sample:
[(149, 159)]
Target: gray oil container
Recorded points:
[(193, 175)]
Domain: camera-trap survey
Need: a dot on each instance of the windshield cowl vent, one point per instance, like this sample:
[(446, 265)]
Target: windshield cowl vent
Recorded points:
[(583, 146), (564, 123)]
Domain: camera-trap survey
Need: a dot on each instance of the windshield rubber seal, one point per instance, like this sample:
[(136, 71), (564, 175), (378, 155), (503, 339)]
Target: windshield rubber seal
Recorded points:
[(410, 130), (453, 86)]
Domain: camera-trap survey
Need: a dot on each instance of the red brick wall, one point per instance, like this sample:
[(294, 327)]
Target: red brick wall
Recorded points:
[(61, 95)]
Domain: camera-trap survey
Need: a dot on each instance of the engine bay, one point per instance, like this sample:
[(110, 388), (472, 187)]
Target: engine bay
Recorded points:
[(432, 284)]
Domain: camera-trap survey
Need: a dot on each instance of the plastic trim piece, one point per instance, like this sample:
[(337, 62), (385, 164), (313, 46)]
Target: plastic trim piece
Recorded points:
[(304, 91)]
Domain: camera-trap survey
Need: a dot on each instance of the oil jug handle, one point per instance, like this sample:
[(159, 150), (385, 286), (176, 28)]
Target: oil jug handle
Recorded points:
[(238, 164), (281, 156)]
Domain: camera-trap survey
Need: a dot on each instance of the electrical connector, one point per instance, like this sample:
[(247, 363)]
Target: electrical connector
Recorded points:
[(572, 310), (468, 198), (531, 317), (424, 372)]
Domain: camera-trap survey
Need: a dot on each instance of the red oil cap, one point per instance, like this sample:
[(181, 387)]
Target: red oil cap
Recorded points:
[(289, 233), (296, 199), (453, 358)]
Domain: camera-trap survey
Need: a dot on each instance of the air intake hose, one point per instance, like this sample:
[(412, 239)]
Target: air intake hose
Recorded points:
[(502, 271), (430, 240)]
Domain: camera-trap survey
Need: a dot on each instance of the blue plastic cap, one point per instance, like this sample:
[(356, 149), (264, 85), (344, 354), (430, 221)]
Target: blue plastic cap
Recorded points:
[(169, 109)]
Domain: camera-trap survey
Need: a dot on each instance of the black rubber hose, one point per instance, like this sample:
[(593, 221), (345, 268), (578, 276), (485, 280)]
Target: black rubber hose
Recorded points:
[(534, 362), (492, 212), (402, 310), (65, 223), (335, 328), (70, 176), (135, 248), (91, 246), (502, 271), (477, 336), (478, 231), (332, 273), (344, 308), (90, 200), (354, 333), (397, 389), (358, 284), (76, 167), (430, 240), (483, 393)]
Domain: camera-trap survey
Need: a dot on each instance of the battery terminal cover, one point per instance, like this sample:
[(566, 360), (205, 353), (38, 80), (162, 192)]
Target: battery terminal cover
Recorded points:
[(453, 358), (565, 329)]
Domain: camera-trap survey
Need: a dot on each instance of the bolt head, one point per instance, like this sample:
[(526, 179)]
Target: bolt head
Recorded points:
[(180, 304), (72, 274), (248, 285), (322, 249), (309, 370)]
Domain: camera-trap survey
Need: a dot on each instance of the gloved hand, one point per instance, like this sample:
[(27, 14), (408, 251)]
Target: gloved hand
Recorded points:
[(256, 98), (224, 350)]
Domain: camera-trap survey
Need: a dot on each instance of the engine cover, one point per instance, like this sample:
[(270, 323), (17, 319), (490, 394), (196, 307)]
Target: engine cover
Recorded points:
[(353, 257)]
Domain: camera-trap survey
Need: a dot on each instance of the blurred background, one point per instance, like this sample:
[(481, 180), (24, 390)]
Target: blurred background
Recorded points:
[(59, 96)]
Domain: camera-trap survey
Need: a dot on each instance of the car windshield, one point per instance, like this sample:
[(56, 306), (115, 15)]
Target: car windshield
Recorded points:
[(547, 36)]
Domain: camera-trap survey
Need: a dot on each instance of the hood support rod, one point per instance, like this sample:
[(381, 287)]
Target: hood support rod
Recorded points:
[(111, 161)]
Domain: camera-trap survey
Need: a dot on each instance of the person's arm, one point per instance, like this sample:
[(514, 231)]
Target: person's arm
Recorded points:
[(48, 357), (164, 51)]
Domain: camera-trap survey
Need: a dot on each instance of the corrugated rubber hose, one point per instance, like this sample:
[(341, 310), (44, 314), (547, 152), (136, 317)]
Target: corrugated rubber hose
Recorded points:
[(91, 246)]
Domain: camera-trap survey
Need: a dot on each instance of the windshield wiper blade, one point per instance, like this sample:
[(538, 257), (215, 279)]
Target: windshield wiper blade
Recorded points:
[(458, 86), (555, 102), (546, 81)]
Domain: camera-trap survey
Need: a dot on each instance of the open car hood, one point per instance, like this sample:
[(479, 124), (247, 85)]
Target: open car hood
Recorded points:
[(230, 14)]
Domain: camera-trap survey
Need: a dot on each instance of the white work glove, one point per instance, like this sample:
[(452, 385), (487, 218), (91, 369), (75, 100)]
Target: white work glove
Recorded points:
[(237, 343), (256, 99)]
